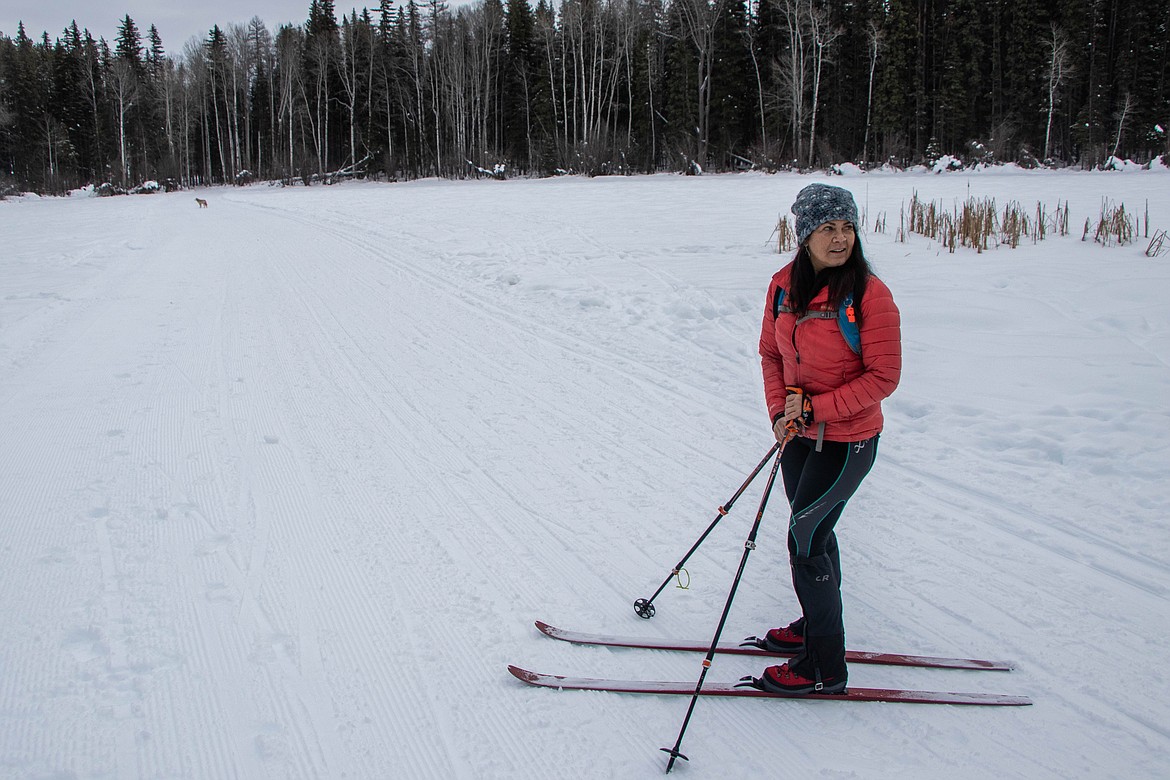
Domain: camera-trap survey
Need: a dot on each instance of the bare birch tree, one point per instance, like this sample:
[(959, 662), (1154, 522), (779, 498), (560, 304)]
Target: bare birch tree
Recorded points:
[(1123, 117), (699, 20), (794, 70), (259, 60), (436, 13), (125, 84), (1059, 67), (195, 109), (822, 37), (289, 45), (752, 31), (356, 47), (873, 37)]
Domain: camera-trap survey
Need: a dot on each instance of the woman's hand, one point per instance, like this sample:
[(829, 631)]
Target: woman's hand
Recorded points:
[(793, 405), (797, 415), (784, 428)]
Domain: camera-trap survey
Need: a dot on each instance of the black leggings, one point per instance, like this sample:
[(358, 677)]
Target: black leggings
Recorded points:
[(818, 484)]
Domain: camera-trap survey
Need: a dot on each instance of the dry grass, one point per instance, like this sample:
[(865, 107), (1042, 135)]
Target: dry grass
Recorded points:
[(1159, 244), (1016, 224), (977, 223), (980, 225), (785, 236), (972, 225), (1114, 226), (1060, 219)]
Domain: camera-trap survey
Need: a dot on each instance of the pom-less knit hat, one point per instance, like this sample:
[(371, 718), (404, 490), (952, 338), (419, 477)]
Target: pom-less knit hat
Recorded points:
[(820, 203)]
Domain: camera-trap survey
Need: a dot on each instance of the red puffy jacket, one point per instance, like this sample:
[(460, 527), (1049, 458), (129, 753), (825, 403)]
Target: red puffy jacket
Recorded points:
[(846, 389)]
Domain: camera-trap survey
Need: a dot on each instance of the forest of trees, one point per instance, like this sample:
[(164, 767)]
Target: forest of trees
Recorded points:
[(590, 86)]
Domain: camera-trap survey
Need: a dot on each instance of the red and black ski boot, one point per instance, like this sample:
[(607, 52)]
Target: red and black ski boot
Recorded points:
[(819, 669), (781, 679), (785, 640)]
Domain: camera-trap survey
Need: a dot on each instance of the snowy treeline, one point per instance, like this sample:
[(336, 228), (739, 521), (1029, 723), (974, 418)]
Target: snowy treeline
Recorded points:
[(593, 86)]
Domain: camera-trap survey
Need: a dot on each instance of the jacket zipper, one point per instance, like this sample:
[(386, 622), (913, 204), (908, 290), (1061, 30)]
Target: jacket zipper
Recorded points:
[(795, 349)]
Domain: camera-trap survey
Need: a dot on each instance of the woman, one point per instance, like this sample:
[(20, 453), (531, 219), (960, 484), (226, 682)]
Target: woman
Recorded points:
[(825, 399)]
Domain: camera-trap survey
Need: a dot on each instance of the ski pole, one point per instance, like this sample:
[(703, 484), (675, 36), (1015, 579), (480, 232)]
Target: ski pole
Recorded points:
[(748, 546), (645, 607)]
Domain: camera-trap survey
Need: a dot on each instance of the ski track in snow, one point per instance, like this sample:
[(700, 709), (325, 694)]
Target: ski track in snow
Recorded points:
[(286, 481)]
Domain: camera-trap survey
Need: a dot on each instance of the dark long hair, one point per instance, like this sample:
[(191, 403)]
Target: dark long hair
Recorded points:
[(851, 277)]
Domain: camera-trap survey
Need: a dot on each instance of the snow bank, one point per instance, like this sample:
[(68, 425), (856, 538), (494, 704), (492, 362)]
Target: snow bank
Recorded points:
[(287, 480)]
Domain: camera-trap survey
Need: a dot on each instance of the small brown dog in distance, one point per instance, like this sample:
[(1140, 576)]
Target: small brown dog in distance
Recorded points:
[(202, 203)]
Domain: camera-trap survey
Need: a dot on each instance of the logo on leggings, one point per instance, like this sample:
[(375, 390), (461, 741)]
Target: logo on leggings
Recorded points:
[(859, 446), (823, 577)]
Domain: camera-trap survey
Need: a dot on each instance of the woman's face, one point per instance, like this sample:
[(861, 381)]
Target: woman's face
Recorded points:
[(831, 244)]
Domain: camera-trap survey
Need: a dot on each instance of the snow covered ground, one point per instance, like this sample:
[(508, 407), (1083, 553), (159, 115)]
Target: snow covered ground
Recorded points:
[(285, 481)]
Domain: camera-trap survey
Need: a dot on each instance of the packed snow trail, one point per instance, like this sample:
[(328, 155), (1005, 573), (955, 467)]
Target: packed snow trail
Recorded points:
[(286, 481)]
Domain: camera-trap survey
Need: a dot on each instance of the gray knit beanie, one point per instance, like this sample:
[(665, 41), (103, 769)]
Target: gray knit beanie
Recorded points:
[(817, 204)]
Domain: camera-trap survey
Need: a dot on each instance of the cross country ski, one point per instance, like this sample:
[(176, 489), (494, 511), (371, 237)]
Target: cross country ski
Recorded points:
[(751, 649), (745, 689)]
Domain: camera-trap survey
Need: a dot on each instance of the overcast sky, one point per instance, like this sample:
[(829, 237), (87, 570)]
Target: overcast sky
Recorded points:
[(176, 20)]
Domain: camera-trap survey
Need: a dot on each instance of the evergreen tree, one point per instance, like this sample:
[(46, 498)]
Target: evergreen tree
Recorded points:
[(645, 87), (1088, 22), (732, 104), (845, 94), (896, 102), (960, 106), (1149, 26), (152, 115), (127, 75), (21, 105), (520, 72), (129, 42), (322, 20), (385, 100), (156, 53), (1024, 81), (546, 122), (69, 110), (679, 111), (322, 41)]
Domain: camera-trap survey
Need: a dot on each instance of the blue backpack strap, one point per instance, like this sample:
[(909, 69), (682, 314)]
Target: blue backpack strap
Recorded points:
[(847, 319), (777, 301)]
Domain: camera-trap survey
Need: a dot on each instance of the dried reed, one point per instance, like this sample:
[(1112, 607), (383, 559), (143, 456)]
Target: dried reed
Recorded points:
[(786, 236), (1113, 226), (1158, 244), (1015, 224)]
